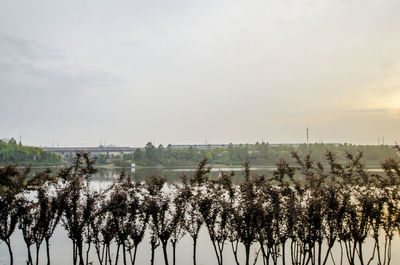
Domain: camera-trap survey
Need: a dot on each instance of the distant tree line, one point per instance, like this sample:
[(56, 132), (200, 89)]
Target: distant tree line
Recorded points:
[(258, 154), (13, 152), (301, 211)]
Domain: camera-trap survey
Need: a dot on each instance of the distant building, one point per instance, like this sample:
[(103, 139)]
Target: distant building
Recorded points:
[(6, 140)]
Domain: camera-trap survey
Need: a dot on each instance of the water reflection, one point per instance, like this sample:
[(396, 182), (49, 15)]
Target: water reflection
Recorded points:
[(173, 174), (61, 251)]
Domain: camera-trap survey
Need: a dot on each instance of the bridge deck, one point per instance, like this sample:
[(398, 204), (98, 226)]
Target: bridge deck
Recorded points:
[(113, 149)]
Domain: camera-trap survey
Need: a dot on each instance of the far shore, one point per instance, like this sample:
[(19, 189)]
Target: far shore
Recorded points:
[(110, 166)]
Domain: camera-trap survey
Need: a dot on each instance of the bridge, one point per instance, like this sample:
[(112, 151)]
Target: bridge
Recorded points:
[(125, 149), (93, 150)]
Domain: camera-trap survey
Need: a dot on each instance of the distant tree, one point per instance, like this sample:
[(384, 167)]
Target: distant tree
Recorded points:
[(138, 155), (150, 153)]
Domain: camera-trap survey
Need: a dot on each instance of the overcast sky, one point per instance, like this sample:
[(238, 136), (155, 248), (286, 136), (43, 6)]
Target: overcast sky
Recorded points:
[(127, 72)]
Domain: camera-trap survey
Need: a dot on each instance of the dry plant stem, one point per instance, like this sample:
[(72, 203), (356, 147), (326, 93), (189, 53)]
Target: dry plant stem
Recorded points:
[(319, 252), (247, 251), (389, 252), (173, 242), (360, 253), (333, 260), (256, 256), (99, 255), (215, 251), (74, 252), (124, 253), (103, 253), (294, 262), (30, 262), (221, 250), (328, 252), (234, 250), (37, 254), (87, 253), (373, 254), (80, 251), (109, 255), (117, 255), (283, 253), (164, 247), (106, 257), (154, 245), (10, 252), (133, 257), (194, 250), (47, 241)]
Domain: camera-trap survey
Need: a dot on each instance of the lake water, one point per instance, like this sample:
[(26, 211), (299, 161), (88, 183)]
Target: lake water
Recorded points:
[(61, 246), (173, 174)]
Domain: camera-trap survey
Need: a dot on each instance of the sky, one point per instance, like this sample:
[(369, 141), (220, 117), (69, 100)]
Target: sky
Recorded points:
[(77, 72)]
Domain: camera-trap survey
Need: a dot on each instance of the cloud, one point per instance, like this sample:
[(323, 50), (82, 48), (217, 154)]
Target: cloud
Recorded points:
[(41, 90), (30, 65), (19, 48)]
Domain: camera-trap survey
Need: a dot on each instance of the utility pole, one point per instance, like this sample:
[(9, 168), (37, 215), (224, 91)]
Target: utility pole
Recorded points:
[(307, 134)]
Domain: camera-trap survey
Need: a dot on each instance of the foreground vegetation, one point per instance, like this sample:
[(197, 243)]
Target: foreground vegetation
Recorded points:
[(301, 211), (259, 154)]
